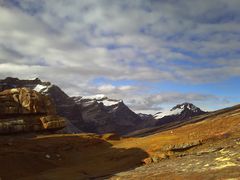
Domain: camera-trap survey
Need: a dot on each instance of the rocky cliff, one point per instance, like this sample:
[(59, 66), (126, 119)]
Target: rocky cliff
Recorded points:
[(25, 110)]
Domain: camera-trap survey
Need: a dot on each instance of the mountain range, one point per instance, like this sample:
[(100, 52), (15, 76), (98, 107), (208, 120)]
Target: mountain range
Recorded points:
[(98, 113)]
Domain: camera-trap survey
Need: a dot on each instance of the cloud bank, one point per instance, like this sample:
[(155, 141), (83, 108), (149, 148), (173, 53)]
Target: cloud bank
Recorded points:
[(119, 47)]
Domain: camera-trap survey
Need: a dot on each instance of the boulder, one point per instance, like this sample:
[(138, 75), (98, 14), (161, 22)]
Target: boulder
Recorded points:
[(147, 161), (24, 101), (25, 110)]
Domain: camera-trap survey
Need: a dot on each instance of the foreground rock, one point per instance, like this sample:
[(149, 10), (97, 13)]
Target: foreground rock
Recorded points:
[(64, 105), (25, 110)]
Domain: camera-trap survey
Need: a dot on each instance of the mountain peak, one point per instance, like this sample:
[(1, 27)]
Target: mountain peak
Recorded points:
[(186, 106)]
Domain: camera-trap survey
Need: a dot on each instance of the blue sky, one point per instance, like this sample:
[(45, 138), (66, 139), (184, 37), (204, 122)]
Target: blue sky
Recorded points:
[(152, 54)]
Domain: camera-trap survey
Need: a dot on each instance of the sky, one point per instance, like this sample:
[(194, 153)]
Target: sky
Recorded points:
[(153, 54)]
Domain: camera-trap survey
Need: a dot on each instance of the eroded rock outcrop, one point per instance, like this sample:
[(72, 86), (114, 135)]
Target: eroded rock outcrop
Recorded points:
[(25, 110)]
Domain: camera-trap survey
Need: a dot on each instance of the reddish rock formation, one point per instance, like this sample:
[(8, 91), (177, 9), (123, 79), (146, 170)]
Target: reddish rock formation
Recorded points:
[(25, 110)]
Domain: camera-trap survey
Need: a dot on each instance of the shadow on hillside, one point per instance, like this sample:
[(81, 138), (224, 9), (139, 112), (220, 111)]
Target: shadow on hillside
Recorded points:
[(65, 157)]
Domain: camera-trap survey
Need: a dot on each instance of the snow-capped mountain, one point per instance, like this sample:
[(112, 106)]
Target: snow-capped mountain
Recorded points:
[(178, 109), (180, 112), (102, 114)]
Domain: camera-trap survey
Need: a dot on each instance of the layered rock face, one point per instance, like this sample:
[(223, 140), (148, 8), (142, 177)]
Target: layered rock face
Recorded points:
[(24, 101), (25, 110), (64, 105)]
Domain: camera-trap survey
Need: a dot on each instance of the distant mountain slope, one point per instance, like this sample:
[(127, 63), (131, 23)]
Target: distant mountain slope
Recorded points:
[(101, 114)]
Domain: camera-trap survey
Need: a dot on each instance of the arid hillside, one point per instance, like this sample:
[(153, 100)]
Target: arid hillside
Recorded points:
[(205, 149), (208, 148)]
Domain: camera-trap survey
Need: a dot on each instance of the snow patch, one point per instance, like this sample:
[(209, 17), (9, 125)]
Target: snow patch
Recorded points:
[(168, 113), (110, 102), (192, 108), (41, 88), (100, 98)]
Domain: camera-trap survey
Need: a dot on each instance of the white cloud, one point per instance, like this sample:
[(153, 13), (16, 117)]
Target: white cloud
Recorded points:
[(106, 88)]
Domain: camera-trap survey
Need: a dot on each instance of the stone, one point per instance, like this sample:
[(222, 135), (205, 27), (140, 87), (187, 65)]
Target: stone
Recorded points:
[(47, 156), (58, 155), (147, 160), (25, 110), (163, 156), (155, 159), (24, 101)]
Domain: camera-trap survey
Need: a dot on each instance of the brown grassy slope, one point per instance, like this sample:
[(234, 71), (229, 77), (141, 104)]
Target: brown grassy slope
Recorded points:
[(217, 156), (215, 126)]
